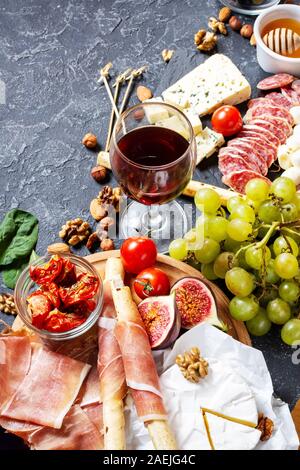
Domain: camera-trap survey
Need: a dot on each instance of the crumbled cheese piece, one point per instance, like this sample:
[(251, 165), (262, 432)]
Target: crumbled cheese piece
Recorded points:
[(207, 142)]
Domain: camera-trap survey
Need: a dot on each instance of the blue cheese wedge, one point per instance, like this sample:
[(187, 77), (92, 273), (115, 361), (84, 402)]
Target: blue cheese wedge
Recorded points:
[(207, 142), (215, 82), (194, 120), (156, 113), (175, 124)]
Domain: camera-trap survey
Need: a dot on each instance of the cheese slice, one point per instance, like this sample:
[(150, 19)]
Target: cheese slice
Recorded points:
[(175, 124), (194, 120), (156, 113), (215, 82), (207, 142), (224, 392)]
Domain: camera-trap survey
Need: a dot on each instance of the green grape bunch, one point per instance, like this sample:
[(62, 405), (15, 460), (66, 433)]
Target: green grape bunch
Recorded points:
[(254, 248)]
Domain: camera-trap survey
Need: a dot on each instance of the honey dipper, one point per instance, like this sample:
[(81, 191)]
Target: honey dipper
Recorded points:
[(282, 41)]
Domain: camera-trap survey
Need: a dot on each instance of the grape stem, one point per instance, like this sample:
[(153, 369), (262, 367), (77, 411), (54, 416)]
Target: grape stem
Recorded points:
[(262, 242)]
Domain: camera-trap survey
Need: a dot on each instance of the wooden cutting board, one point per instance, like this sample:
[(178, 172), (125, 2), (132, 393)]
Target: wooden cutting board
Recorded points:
[(296, 417), (177, 270)]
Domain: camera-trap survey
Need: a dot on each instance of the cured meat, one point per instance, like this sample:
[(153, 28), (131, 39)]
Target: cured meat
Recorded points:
[(90, 390), (95, 414), (76, 433), (279, 122), (291, 95), (229, 163), (22, 429), (250, 158), (266, 153), (15, 356), (141, 374), (237, 180), (275, 81), (252, 153), (48, 390), (264, 124), (279, 99), (261, 132), (268, 109)]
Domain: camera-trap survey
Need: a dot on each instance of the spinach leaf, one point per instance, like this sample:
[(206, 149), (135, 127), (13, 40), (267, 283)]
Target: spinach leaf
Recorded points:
[(12, 272), (18, 236)]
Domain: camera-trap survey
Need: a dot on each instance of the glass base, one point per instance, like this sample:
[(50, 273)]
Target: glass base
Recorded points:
[(161, 223), (250, 7)]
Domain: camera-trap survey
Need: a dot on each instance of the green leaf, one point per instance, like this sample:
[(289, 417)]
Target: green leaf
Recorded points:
[(18, 236), (33, 257), (11, 273)]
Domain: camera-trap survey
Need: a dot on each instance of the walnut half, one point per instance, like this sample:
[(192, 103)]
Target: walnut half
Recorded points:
[(192, 365), (265, 426), (205, 41)]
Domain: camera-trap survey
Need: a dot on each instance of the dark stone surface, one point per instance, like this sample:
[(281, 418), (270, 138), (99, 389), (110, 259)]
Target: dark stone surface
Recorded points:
[(50, 55)]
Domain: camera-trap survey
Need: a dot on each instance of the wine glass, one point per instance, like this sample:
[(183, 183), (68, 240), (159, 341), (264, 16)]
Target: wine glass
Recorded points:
[(153, 156)]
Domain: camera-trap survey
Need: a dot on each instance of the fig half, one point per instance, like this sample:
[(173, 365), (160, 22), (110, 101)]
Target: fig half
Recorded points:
[(161, 320), (195, 303)]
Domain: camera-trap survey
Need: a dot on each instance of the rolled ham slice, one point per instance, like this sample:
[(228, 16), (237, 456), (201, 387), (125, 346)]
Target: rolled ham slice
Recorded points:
[(77, 433), (48, 391), (15, 356)]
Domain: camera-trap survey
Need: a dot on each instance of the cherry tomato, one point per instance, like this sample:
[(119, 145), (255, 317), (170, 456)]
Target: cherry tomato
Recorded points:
[(85, 288), (67, 276), (138, 253), (227, 120), (58, 322), (151, 282), (47, 272), (40, 307)]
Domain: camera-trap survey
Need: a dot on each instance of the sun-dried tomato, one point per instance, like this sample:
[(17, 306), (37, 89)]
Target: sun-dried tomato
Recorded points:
[(52, 292), (85, 288), (67, 276), (40, 307), (48, 272), (57, 321)]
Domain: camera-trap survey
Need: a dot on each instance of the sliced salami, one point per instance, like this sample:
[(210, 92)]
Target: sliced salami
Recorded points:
[(280, 122), (296, 86), (266, 152), (237, 180), (262, 132), (259, 101), (261, 140), (252, 153), (275, 81), (250, 158), (279, 99), (291, 95), (272, 110), (275, 130), (229, 163)]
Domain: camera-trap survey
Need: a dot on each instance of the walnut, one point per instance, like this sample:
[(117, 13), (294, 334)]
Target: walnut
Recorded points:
[(89, 140), (192, 365), (217, 26), (107, 244), (57, 248), (167, 55), (93, 241), (110, 196), (75, 231), (224, 14), (99, 173), (205, 42), (265, 426), (246, 31), (235, 23), (7, 304)]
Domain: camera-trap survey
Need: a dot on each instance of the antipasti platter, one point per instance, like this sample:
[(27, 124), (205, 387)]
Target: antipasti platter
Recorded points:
[(140, 350)]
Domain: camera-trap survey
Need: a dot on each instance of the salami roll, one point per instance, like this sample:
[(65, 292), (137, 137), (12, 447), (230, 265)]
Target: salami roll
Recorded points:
[(267, 153), (261, 132), (252, 153), (237, 180), (291, 95), (275, 81), (279, 99), (275, 130), (238, 151), (269, 109), (230, 162)]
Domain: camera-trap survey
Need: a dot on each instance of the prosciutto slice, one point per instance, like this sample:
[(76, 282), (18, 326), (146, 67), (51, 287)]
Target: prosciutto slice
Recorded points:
[(77, 433), (95, 414), (140, 370), (15, 355), (110, 361), (90, 391), (49, 389)]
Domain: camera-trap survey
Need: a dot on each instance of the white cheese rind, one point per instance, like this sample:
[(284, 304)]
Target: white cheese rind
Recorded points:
[(215, 82)]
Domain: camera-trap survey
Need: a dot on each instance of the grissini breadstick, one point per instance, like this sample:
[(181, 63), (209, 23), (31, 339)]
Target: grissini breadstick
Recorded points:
[(140, 369), (113, 386)]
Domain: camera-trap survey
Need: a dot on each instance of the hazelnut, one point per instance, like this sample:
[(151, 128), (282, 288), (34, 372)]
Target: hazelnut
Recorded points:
[(107, 244), (246, 31), (57, 248), (143, 93), (253, 40), (99, 173), (235, 23), (89, 140), (139, 114), (106, 222), (97, 210), (224, 14)]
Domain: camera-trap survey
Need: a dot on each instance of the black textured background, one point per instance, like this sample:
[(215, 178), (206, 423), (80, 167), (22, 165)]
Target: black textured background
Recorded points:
[(50, 54)]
